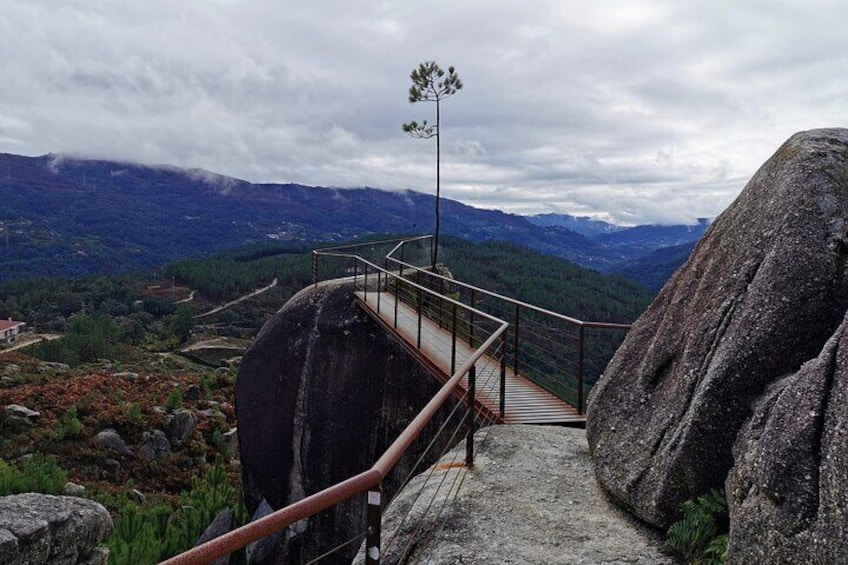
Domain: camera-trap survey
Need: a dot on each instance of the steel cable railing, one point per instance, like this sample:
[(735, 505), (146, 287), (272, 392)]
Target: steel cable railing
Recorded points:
[(535, 334), (462, 402), (415, 537), (369, 481)]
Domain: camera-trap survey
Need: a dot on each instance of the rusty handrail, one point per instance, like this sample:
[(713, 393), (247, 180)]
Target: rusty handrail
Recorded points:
[(277, 521), (358, 484), (328, 251), (513, 301), (399, 240), (519, 310)]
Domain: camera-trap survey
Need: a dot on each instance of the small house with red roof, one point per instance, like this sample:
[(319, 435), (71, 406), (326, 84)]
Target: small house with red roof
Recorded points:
[(9, 329)]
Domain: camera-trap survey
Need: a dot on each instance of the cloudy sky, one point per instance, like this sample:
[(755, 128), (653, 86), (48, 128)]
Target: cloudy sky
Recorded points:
[(635, 111)]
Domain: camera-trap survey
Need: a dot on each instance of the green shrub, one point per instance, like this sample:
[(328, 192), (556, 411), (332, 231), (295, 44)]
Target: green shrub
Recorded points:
[(149, 534), (208, 382), (137, 535), (134, 413), (37, 474), (701, 536), (69, 425), (174, 400)]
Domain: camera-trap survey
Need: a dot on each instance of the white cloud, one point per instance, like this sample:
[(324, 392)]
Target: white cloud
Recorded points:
[(637, 111)]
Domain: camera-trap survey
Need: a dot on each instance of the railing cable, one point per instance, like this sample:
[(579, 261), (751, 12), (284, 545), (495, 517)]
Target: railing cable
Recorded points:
[(357, 538)]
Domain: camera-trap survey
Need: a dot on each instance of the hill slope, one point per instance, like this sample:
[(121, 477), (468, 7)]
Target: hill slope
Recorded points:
[(72, 217), (67, 217)]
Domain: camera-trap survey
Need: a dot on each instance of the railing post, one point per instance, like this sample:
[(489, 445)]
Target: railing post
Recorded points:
[(453, 340), (397, 298), (419, 318), (365, 284), (581, 340), (379, 282), (469, 439), (441, 293), (372, 539), (471, 323), (503, 375), (315, 268), (355, 272), (402, 260), (515, 341)]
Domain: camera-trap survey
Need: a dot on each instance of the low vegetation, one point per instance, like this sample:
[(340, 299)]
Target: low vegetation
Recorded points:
[(700, 538), (150, 533), (34, 474)]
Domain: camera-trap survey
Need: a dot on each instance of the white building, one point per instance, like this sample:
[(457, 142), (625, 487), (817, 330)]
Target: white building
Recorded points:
[(9, 329)]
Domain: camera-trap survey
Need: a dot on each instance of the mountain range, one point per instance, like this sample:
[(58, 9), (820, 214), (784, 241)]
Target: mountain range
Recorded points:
[(70, 217)]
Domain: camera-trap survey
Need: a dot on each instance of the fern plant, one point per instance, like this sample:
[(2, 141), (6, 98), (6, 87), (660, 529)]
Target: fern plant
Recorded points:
[(701, 536)]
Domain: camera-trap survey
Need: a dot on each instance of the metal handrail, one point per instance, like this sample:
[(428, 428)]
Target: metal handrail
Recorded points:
[(358, 484), (399, 240), (517, 306), (513, 301), (327, 251)]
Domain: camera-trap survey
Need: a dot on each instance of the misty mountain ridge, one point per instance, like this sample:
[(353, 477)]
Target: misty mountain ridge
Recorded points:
[(650, 235), (67, 216), (584, 225)]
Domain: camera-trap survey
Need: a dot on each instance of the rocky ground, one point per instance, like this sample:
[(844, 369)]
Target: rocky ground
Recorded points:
[(530, 498)]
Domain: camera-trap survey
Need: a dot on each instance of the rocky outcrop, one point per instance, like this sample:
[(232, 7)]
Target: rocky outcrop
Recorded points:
[(221, 524), (181, 426), (40, 528), (154, 445), (530, 498), (788, 489), (19, 417), (320, 395), (760, 295), (111, 440)]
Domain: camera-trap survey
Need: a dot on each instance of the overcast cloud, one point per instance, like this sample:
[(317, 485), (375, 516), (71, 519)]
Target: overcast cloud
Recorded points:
[(630, 110)]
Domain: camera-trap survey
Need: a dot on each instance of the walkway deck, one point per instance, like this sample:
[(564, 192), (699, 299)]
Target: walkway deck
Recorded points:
[(526, 402)]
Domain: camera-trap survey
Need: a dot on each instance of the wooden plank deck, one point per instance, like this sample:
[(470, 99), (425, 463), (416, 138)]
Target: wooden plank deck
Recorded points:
[(526, 402)]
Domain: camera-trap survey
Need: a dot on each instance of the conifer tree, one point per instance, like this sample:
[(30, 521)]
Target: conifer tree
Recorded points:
[(430, 84)]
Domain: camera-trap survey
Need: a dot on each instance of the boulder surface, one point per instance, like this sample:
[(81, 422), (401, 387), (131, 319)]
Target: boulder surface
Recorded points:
[(760, 295), (787, 492), (41, 528), (321, 393), (530, 498)]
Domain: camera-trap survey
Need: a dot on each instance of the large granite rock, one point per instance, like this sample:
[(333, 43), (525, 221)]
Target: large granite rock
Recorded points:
[(321, 393), (761, 293), (61, 530), (787, 492)]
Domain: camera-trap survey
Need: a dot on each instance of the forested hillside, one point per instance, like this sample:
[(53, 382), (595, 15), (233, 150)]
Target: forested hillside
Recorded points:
[(64, 217), (155, 310), (552, 283)]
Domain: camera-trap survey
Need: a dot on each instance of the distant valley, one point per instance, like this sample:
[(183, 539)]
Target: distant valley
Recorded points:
[(65, 217)]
